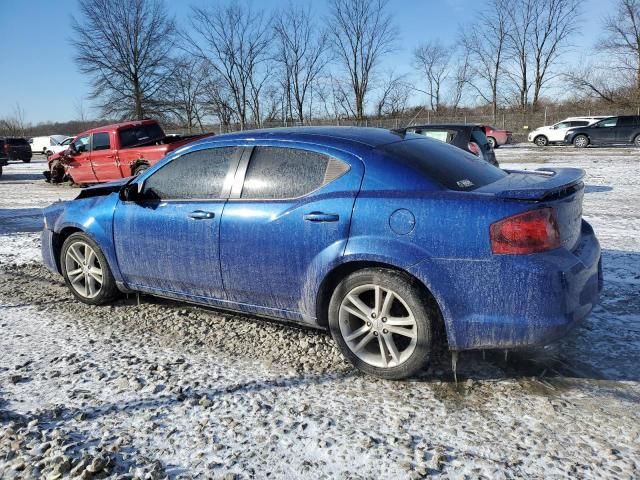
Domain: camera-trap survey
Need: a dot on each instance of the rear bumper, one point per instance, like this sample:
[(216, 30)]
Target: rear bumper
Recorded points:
[(513, 301)]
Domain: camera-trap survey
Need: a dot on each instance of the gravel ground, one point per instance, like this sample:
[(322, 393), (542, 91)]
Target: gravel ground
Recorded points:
[(160, 389)]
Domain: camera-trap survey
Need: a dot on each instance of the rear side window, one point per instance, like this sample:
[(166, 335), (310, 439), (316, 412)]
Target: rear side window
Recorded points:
[(449, 166), (196, 175), (17, 141), (100, 141), (579, 123), (627, 121), (281, 173), (140, 135)]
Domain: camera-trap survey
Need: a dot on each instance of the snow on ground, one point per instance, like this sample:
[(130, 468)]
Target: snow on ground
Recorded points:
[(166, 389)]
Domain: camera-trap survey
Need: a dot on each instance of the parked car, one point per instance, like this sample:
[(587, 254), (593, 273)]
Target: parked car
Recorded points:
[(4, 158), (555, 133), (497, 136), (470, 138), (17, 148), (114, 151), (60, 147), (380, 237), (622, 130), (42, 144)]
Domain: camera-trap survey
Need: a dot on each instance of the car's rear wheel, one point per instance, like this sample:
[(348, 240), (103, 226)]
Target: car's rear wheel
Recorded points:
[(636, 141), (581, 141), (86, 271), (493, 142), (541, 141), (381, 324)]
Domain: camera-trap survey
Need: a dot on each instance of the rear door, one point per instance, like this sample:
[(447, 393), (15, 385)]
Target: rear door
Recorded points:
[(168, 242), (626, 128), (104, 157), (287, 222)]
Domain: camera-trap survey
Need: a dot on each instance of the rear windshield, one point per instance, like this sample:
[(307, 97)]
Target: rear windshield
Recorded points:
[(140, 135), (449, 166), (17, 141)]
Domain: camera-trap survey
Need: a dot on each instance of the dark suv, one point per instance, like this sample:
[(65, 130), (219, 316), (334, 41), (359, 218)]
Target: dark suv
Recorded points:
[(623, 130), (470, 138), (17, 149), (3, 156)]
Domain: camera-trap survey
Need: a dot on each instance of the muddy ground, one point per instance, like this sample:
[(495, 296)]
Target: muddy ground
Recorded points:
[(160, 389)]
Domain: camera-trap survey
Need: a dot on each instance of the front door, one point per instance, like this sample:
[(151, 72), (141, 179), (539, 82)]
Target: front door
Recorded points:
[(605, 131), (288, 222), (168, 241), (103, 158), (79, 164)]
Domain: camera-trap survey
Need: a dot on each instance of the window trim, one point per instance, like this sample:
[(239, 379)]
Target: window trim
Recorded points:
[(238, 183), (226, 185)]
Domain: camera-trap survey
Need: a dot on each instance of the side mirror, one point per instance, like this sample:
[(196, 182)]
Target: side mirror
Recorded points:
[(130, 193)]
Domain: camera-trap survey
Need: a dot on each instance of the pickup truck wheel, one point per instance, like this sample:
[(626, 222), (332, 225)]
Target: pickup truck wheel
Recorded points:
[(139, 169), (86, 271), (581, 141), (379, 320), (541, 141)]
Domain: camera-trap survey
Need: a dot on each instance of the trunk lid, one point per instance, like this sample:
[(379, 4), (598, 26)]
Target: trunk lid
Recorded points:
[(559, 188)]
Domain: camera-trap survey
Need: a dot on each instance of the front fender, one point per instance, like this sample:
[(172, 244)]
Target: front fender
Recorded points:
[(94, 217)]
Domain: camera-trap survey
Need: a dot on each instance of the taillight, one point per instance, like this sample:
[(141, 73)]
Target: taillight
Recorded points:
[(474, 148), (529, 232)]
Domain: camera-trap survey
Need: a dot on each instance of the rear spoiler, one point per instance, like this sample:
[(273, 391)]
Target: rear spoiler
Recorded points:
[(541, 184)]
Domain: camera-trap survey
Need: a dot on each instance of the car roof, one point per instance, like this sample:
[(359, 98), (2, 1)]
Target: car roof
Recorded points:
[(116, 126), (362, 136)]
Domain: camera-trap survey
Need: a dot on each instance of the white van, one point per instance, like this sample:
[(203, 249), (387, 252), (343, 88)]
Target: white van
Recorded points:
[(42, 144), (555, 133)]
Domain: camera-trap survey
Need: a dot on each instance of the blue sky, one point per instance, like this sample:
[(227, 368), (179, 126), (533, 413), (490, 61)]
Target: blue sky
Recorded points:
[(39, 73)]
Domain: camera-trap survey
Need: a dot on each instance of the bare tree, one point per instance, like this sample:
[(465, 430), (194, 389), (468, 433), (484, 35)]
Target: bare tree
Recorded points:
[(234, 39), (302, 54), (622, 38), (361, 33), (539, 35), (461, 78), (432, 61), (394, 96), (185, 91), (125, 46), (486, 43), (14, 125), (218, 101)]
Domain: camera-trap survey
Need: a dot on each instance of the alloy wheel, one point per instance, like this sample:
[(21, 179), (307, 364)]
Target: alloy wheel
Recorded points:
[(83, 269), (378, 326)]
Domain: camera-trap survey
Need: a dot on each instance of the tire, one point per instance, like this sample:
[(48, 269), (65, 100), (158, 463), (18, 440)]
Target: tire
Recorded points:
[(56, 172), (581, 141), (48, 153), (541, 141), (86, 271), (360, 335), (26, 160), (139, 169), (0, 171), (493, 142), (636, 141)]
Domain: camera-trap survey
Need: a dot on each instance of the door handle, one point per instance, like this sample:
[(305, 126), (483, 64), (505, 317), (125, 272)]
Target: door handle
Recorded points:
[(201, 215), (321, 217)]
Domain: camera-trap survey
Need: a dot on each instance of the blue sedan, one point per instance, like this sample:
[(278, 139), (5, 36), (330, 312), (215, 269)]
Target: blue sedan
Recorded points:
[(383, 238)]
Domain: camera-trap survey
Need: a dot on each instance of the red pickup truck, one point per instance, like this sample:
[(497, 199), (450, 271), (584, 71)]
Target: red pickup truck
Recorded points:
[(114, 151)]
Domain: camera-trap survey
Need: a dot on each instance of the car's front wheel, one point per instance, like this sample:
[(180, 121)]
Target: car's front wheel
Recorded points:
[(541, 141), (581, 141), (86, 271), (381, 324)]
